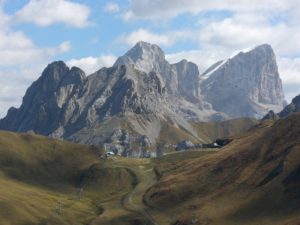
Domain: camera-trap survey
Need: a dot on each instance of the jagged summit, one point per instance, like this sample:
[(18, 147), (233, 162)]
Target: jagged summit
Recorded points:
[(146, 57), (143, 95), (180, 79), (264, 47), (247, 84), (57, 72)]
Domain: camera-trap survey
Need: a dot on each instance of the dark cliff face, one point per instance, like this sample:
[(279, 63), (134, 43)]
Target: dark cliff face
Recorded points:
[(293, 107), (43, 104), (245, 85)]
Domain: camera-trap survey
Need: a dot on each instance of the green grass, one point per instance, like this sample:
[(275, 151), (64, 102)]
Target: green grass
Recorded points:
[(40, 180)]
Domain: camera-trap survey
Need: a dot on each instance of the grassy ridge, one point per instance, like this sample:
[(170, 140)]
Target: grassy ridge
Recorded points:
[(253, 180), (210, 131), (40, 181)]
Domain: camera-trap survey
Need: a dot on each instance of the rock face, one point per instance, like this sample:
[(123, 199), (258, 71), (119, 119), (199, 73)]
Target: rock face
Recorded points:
[(64, 103), (48, 103), (293, 107), (245, 85), (127, 106), (271, 115), (181, 79)]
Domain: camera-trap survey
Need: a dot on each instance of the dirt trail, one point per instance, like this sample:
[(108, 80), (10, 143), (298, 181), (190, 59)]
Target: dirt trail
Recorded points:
[(143, 177), (134, 199)]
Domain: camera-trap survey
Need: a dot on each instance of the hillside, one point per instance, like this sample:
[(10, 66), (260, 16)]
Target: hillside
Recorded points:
[(253, 180), (46, 181), (211, 131)]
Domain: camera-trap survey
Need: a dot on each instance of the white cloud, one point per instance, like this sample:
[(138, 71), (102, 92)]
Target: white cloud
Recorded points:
[(167, 9), (14, 82), (4, 20), (111, 7), (204, 58), (166, 39), (47, 12), (16, 48), (92, 64), (21, 62), (290, 75), (290, 70)]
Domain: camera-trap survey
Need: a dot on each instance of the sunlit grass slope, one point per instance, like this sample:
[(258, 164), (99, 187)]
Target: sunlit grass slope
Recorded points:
[(46, 181)]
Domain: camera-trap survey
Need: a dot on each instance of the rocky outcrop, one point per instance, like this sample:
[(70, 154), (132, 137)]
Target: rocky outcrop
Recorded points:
[(246, 85), (271, 115), (48, 103), (181, 81), (293, 107)]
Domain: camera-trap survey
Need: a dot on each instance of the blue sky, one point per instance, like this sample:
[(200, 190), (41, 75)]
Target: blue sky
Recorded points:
[(92, 33)]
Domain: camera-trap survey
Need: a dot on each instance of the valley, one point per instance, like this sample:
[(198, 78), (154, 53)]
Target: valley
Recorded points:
[(140, 112), (146, 142), (81, 188), (237, 184)]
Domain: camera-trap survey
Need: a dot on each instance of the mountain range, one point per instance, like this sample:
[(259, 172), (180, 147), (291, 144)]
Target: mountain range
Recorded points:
[(144, 103), (142, 96)]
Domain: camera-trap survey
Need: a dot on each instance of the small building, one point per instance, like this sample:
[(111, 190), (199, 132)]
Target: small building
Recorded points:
[(184, 145), (109, 154)]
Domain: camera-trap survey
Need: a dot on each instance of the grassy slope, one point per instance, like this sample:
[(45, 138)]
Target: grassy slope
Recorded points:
[(240, 184), (207, 132), (210, 131), (39, 180)]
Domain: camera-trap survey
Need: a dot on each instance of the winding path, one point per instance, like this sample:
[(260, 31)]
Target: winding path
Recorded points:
[(134, 199)]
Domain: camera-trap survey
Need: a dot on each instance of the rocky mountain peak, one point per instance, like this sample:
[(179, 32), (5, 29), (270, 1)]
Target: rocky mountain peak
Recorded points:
[(58, 74), (249, 78), (146, 57), (263, 53), (266, 48), (293, 107), (143, 93), (143, 50), (53, 74)]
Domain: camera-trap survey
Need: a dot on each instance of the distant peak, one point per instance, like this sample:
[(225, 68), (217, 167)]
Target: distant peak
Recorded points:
[(144, 56), (263, 48), (296, 100), (55, 67), (145, 47), (143, 44), (59, 63), (184, 61)]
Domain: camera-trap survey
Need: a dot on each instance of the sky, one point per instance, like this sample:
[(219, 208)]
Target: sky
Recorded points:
[(91, 34)]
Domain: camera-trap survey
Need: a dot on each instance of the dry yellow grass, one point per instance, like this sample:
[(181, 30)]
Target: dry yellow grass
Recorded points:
[(241, 184)]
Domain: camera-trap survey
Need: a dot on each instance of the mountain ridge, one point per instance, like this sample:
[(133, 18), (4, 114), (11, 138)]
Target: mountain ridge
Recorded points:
[(136, 98)]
